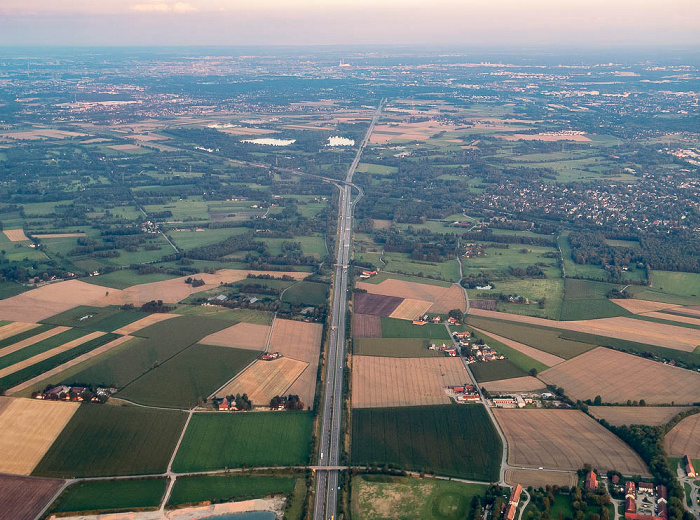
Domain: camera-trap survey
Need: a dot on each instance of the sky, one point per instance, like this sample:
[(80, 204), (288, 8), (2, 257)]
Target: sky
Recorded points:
[(498, 23)]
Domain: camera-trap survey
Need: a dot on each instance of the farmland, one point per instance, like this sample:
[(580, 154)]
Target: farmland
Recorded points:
[(393, 381), (393, 347), (106, 319), (496, 370), (523, 356), (376, 497), (395, 328), (566, 440), (23, 498), (443, 299), (195, 372), (113, 440), (215, 441), (366, 326), (651, 415), (515, 384), (306, 293), (540, 479), (28, 428), (240, 335), (375, 304), (228, 488), (684, 438), (615, 375), (111, 496), (453, 440)]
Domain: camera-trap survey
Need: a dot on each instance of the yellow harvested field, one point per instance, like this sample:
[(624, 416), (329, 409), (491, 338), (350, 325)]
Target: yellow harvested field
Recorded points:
[(241, 335), (60, 235), (36, 338), (14, 328), (540, 478), (410, 309), (263, 380), (147, 321), (642, 306), (124, 147), (50, 353), (517, 384), (443, 299), (28, 428), (651, 333), (618, 377), (684, 438), (675, 317), (543, 357), (420, 131), (301, 341), (388, 381), (564, 439), (68, 364), (650, 415), (16, 235)]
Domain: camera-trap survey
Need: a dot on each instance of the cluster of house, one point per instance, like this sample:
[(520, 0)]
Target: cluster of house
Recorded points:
[(435, 319), (448, 350), (512, 507), (463, 394), (225, 406), (367, 274), (75, 393), (645, 502), (688, 466), (149, 227), (269, 356), (473, 250), (483, 353)]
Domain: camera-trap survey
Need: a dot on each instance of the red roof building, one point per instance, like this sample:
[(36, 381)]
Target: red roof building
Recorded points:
[(513, 503), (591, 481), (689, 469), (615, 479)]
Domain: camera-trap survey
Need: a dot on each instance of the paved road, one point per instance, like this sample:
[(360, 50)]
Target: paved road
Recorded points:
[(326, 499)]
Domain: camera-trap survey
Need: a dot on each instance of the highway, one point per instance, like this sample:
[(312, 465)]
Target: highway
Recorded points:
[(326, 498)]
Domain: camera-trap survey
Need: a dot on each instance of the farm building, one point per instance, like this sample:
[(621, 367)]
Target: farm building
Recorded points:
[(591, 481), (638, 505), (689, 469), (269, 356), (513, 503), (509, 402)]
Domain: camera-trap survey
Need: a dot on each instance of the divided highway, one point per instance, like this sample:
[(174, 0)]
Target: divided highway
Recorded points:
[(326, 499)]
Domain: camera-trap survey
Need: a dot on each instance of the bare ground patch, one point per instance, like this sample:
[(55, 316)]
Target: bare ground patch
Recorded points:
[(617, 377), (376, 304), (564, 439), (540, 478), (517, 384), (410, 309), (23, 498), (385, 381), (241, 335), (366, 326), (16, 235)]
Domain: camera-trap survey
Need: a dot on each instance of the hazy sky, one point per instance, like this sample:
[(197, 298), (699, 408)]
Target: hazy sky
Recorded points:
[(254, 22)]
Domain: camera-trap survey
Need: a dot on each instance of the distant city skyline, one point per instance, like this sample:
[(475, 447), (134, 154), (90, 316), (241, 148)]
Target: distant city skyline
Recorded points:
[(341, 22)]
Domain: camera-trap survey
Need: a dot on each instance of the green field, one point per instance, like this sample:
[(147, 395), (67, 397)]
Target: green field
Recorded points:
[(396, 328), (547, 340), (410, 498), (452, 440), (123, 278), (401, 262), (111, 496), (220, 440), (195, 372), (393, 347), (160, 342), (9, 289), (105, 440), (228, 488), (232, 315), (23, 335), (106, 319), (376, 169), (41, 346), (587, 300), (681, 284), (306, 293), (495, 370), (406, 278), (39, 368), (517, 358)]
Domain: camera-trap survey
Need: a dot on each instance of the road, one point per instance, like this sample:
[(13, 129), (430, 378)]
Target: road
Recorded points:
[(326, 498)]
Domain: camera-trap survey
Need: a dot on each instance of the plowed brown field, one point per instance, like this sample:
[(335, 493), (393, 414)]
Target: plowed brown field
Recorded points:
[(684, 438), (16, 235), (23, 498), (366, 326), (410, 309), (543, 357), (301, 341), (540, 478), (241, 335), (517, 384), (263, 380), (443, 299), (651, 415), (28, 428), (376, 304), (618, 377), (564, 439), (384, 381)]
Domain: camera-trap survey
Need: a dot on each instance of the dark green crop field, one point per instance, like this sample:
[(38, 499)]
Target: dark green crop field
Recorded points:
[(219, 440), (306, 293), (395, 328), (195, 372), (104, 440), (393, 347), (495, 370), (452, 440), (226, 488), (111, 496), (96, 318)]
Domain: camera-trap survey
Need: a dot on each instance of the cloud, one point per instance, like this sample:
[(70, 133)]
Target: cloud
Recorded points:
[(162, 7)]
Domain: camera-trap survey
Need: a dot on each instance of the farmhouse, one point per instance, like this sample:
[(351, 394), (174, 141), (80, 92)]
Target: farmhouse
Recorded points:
[(513, 503), (509, 402), (644, 502), (269, 356), (689, 469), (591, 481)]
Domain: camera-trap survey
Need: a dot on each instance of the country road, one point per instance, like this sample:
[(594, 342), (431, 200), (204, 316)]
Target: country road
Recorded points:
[(326, 499)]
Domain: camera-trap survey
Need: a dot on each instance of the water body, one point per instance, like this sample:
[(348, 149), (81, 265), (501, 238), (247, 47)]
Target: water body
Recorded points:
[(252, 515), (340, 141), (270, 141)]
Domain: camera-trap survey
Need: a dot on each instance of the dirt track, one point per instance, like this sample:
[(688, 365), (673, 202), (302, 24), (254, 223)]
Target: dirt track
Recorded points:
[(564, 439), (617, 377)]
